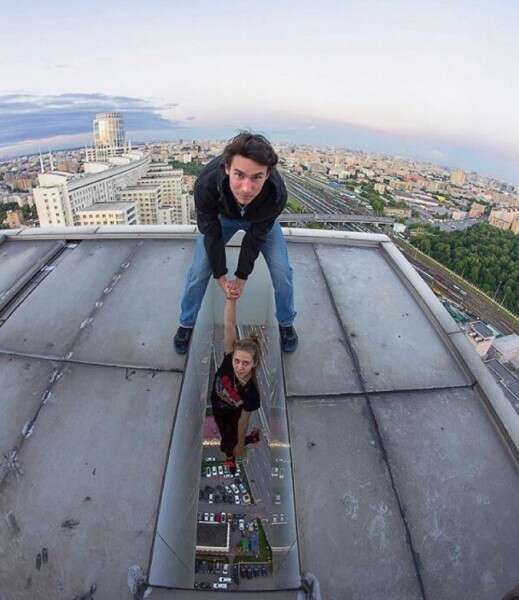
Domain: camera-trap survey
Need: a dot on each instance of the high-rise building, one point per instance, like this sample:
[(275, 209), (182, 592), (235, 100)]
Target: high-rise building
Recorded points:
[(108, 130), (458, 177), (109, 137)]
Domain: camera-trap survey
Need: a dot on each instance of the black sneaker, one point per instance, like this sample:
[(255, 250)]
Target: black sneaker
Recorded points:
[(288, 337), (181, 339)]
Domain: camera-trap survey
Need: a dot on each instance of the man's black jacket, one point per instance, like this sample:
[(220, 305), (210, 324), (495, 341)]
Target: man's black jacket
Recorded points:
[(213, 197)]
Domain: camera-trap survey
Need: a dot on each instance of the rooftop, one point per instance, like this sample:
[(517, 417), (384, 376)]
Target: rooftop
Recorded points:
[(403, 449), (104, 206), (482, 329)]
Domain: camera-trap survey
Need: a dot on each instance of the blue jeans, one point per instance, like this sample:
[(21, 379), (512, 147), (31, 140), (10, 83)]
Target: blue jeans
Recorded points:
[(274, 250)]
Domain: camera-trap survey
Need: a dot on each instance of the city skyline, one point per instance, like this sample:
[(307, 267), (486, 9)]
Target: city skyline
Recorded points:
[(432, 83)]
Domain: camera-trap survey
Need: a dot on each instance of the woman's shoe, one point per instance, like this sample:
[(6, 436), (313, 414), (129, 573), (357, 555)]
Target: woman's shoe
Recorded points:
[(230, 463)]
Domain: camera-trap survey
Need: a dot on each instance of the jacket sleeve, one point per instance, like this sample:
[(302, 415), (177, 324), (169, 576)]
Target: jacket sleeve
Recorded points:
[(256, 235), (206, 203)]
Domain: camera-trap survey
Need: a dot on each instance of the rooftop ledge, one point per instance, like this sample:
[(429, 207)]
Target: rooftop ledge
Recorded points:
[(294, 234)]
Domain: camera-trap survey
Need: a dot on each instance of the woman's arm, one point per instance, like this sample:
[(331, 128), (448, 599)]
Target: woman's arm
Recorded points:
[(229, 322), (243, 425)]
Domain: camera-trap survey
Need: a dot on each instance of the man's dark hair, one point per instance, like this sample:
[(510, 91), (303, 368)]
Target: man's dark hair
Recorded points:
[(253, 146), (512, 594)]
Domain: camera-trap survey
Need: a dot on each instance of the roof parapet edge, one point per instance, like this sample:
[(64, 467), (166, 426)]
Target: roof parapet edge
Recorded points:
[(303, 234), (396, 257), (189, 232), (498, 404)]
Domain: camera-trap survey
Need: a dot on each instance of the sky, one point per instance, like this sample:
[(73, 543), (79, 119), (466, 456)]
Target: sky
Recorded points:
[(435, 80)]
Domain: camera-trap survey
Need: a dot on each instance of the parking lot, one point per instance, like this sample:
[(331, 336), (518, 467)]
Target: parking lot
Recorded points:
[(227, 498)]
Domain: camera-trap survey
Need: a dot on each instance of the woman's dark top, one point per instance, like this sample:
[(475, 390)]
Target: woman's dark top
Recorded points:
[(229, 395)]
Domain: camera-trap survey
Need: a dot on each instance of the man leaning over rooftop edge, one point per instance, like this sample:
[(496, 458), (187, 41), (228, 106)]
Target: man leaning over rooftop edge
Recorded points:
[(241, 189)]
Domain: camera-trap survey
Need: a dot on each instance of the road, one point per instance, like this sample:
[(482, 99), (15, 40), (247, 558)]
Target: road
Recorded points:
[(507, 380)]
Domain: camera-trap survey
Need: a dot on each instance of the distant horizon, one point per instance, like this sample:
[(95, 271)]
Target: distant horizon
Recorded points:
[(187, 134)]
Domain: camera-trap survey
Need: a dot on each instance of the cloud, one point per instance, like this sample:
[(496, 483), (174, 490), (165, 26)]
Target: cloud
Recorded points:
[(25, 116)]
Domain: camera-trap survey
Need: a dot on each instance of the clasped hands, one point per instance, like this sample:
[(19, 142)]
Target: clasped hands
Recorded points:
[(232, 288)]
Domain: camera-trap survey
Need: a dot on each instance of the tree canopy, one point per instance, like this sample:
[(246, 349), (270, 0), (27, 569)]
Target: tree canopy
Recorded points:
[(484, 255)]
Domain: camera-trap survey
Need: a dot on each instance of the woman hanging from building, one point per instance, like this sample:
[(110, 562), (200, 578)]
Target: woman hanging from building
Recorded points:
[(235, 393)]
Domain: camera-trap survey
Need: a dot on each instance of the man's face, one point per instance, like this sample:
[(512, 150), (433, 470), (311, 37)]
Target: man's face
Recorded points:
[(246, 178)]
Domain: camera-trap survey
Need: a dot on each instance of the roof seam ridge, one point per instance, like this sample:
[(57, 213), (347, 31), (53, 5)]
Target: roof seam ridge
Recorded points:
[(57, 359), (10, 464), (414, 553), (347, 395)]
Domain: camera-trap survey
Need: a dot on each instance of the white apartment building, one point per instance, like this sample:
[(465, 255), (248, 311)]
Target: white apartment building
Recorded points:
[(176, 214), (174, 202), (108, 213), (170, 186), (60, 196), (147, 199)]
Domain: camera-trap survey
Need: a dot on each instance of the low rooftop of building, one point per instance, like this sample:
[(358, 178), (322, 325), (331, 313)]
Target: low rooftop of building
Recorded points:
[(104, 206)]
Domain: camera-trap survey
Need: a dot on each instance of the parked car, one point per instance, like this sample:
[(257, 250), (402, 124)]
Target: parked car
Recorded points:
[(235, 572), (206, 516), (241, 525), (246, 499), (211, 499), (224, 579), (277, 499), (242, 487), (219, 586), (211, 517), (220, 470), (208, 472), (214, 471), (236, 499)]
